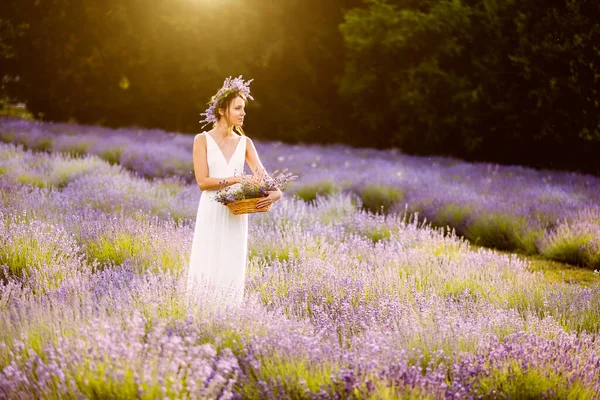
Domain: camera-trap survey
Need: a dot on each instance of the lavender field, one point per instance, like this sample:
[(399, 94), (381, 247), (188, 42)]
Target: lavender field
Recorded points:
[(341, 302), (555, 215)]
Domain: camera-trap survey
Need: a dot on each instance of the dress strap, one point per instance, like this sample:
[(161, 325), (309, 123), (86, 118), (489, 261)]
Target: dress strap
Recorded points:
[(209, 139)]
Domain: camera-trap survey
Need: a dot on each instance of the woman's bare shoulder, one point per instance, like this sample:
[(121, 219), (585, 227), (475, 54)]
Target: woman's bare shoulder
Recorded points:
[(200, 137)]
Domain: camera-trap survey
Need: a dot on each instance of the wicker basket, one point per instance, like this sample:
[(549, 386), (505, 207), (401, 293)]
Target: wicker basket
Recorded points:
[(246, 206)]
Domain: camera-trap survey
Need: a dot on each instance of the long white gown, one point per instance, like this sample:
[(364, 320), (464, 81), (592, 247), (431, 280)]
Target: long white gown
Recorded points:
[(217, 265)]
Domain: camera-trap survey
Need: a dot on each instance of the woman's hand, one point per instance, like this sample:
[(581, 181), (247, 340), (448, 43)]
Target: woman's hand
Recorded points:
[(270, 199)]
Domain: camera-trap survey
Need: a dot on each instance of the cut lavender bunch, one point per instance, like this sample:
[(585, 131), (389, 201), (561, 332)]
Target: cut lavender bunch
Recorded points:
[(254, 186)]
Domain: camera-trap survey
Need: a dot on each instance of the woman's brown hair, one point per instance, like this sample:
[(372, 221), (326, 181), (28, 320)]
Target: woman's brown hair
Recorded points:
[(224, 105)]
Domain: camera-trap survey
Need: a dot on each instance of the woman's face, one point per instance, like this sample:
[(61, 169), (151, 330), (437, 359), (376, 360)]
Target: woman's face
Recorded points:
[(235, 114)]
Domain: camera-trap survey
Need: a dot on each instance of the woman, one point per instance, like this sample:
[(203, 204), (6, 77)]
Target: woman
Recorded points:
[(219, 248)]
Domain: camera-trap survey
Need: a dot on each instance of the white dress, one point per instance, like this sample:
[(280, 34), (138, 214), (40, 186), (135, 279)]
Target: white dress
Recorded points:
[(217, 266)]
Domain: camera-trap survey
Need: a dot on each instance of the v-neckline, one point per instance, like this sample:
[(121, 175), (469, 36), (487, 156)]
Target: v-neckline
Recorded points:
[(223, 155)]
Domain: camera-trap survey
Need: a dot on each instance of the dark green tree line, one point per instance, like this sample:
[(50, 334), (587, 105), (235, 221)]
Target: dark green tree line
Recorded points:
[(504, 80), (156, 63)]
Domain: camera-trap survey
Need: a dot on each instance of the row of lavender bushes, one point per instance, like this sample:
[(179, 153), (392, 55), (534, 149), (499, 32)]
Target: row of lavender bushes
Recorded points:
[(554, 214), (340, 302)]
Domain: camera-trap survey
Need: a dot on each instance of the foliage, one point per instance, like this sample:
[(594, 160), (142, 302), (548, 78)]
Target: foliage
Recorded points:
[(379, 198), (515, 382), (503, 232), (156, 64), (9, 32), (509, 81), (576, 242), (309, 192)]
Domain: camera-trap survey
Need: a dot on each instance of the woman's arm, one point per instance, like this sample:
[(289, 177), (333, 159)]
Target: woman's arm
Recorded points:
[(253, 160), (201, 167), (258, 169)]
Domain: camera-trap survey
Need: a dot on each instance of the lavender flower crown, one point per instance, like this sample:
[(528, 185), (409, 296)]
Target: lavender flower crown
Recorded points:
[(230, 85)]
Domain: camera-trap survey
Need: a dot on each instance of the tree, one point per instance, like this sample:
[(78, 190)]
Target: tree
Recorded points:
[(156, 63), (8, 33), (509, 81)]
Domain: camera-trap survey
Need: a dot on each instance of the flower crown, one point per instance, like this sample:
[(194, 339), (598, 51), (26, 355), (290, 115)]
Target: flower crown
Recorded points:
[(229, 86)]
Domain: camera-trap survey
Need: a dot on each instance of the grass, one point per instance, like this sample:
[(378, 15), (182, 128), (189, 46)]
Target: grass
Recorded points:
[(32, 180), (380, 198), (555, 271), (8, 109), (295, 377), (310, 192), (377, 234), (77, 149), (574, 248), (112, 155), (453, 215), (115, 248), (44, 144), (515, 382), (66, 170), (503, 232), (25, 247)]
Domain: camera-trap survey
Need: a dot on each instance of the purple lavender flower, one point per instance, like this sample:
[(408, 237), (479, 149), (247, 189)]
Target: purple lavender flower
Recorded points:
[(229, 86), (340, 302), (254, 186)]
